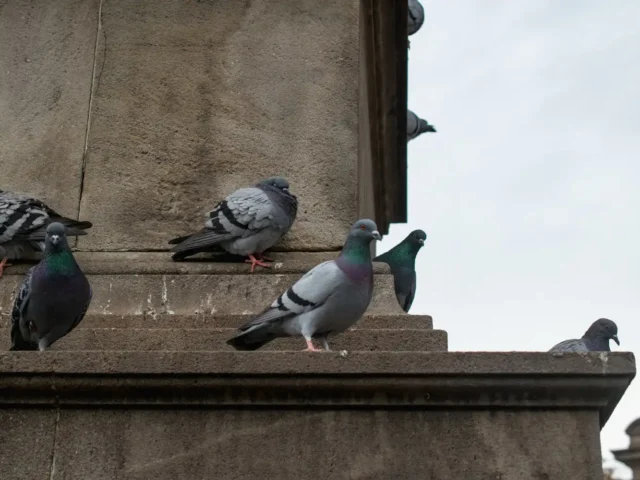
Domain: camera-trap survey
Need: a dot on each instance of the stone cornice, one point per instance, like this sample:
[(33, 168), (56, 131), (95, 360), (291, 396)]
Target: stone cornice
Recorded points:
[(385, 30), (519, 380)]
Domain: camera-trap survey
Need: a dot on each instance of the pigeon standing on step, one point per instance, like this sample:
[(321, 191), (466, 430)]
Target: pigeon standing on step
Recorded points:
[(247, 222), (326, 301), (596, 339), (53, 297), (23, 224), (402, 260)]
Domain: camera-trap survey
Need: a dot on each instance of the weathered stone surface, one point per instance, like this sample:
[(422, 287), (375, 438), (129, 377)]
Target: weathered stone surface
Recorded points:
[(196, 99), (31, 432), (123, 294), (139, 283), (206, 320), (343, 444), (214, 339), (47, 56), (370, 413), (492, 368)]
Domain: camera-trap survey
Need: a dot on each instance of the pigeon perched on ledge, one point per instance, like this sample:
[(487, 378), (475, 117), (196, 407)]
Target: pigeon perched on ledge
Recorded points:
[(53, 298), (326, 301), (247, 222), (596, 339), (402, 261), (416, 126), (415, 17), (23, 224)]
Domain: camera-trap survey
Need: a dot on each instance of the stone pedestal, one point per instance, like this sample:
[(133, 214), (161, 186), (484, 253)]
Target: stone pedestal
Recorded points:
[(140, 116), (631, 456), (292, 415)]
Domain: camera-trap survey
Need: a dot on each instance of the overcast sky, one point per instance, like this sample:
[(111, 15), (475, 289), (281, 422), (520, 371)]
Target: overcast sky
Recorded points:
[(529, 192)]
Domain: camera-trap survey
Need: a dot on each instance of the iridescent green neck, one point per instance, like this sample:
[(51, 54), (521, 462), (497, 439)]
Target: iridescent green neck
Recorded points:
[(356, 251), (402, 255), (61, 262)]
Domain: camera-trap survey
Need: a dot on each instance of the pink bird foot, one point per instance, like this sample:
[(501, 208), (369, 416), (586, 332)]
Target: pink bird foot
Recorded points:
[(254, 261)]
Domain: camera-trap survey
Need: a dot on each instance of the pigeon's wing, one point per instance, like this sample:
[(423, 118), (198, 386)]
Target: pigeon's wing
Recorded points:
[(20, 305), (25, 218), (20, 215), (243, 213), (406, 288), (574, 345), (308, 293), (79, 318)]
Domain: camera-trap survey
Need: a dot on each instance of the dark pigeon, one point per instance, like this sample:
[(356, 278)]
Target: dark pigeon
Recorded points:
[(246, 223), (23, 224), (402, 260), (596, 339), (53, 297), (326, 301)]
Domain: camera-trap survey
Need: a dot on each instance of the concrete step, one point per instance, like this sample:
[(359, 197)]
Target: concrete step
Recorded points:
[(415, 322), (151, 283), (213, 339)]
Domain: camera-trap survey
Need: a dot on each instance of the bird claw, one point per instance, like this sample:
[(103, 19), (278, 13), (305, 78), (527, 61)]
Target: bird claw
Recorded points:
[(254, 261), (3, 263), (311, 347)]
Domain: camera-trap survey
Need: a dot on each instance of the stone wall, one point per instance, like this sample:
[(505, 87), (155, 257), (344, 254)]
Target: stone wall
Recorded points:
[(140, 116)]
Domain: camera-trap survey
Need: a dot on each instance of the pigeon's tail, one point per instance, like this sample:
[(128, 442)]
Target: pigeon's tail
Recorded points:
[(205, 241), (74, 227), (253, 338), (18, 343)]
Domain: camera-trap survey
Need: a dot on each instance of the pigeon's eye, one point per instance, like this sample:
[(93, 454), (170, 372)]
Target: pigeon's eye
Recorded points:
[(362, 227)]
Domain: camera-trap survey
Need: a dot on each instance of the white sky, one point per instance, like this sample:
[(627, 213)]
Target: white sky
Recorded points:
[(529, 192)]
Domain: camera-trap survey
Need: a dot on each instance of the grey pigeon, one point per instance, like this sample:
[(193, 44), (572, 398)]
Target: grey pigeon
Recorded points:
[(53, 297), (596, 339), (415, 17), (23, 223), (417, 126), (402, 260), (247, 222), (326, 301)]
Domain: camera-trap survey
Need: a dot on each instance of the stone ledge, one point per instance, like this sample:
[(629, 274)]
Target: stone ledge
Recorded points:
[(149, 321), (157, 294), (160, 263), (214, 339), (364, 379)]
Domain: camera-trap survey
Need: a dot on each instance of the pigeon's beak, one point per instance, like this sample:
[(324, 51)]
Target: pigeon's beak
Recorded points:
[(615, 339), (421, 241), (376, 235), (55, 239), (285, 189)]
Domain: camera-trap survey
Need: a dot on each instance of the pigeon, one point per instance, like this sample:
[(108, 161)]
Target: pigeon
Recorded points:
[(416, 17), (247, 222), (416, 126), (402, 260), (326, 301), (596, 339), (23, 223), (53, 297)]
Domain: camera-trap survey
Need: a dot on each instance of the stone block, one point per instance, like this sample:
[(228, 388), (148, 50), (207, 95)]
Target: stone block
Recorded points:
[(47, 52), (194, 100)]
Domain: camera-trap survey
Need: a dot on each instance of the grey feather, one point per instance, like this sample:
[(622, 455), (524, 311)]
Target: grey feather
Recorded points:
[(416, 126), (248, 221), (23, 224), (326, 301), (595, 339), (415, 16)]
